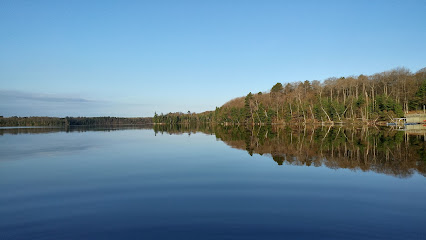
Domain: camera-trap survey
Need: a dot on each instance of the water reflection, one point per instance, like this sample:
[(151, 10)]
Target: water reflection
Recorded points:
[(382, 150), (68, 129), (32, 145)]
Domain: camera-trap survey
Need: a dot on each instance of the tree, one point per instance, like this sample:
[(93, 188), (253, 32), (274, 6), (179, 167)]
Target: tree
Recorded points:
[(277, 88), (419, 99), (248, 107)]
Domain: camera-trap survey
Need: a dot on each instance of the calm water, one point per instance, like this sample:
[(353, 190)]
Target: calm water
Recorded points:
[(212, 183)]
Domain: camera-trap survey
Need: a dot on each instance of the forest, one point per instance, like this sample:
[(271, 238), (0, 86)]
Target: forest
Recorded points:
[(70, 121), (370, 99)]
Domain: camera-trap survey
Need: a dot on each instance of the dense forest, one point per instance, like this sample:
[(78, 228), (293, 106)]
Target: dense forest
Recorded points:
[(374, 98), (71, 121), (386, 151)]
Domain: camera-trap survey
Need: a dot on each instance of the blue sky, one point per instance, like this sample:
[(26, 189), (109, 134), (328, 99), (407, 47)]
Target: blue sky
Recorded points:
[(131, 58)]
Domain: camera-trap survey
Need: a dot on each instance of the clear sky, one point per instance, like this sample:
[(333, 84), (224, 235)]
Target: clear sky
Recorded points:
[(131, 58)]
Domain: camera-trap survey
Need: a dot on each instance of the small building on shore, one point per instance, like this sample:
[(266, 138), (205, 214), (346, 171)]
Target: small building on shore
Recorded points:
[(415, 118), (409, 119)]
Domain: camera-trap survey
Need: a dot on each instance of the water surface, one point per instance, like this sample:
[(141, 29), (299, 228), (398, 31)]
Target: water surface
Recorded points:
[(211, 183)]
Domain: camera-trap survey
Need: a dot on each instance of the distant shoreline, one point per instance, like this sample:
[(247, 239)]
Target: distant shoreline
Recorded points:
[(71, 121)]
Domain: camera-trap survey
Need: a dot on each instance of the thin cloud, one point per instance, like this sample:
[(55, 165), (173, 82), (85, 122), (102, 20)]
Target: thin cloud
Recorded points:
[(5, 94), (20, 103)]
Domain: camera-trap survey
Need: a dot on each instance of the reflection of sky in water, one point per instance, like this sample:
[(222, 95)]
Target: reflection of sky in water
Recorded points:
[(29, 142), (49, 145)]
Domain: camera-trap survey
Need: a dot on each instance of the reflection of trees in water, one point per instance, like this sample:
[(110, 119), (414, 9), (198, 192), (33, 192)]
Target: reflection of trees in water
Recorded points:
[(368, 149), (178, 129), (16, 131), (40, 130)]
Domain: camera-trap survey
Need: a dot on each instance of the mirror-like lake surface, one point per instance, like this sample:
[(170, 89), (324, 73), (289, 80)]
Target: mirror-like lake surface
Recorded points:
[(212, 183)]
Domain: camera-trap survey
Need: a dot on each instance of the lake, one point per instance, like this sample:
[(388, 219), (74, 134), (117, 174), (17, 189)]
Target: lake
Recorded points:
[(212, 182)]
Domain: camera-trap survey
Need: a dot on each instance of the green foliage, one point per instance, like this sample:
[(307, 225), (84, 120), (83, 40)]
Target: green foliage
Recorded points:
[(247, 107), (386, 106), (318, 112), (277, 88), (271, 115), (419, 99), (360, 102)]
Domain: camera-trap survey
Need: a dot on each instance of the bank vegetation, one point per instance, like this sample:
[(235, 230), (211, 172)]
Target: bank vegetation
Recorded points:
[(365, 98)]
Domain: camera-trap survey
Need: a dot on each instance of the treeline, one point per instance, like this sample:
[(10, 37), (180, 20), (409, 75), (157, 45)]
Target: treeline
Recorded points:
[(107, 121), (184, 118), (378, 97), (31, 121), (364, 148), (70, 121)]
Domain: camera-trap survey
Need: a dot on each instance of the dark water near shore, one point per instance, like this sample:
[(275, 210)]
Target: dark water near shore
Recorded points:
[(212, 183)]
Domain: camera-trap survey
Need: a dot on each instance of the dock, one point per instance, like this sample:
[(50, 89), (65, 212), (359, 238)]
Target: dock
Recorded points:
[(409, 119), (415, 118)]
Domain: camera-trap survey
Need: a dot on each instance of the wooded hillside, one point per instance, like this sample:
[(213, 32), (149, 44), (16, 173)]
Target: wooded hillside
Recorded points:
[(378, 97)]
